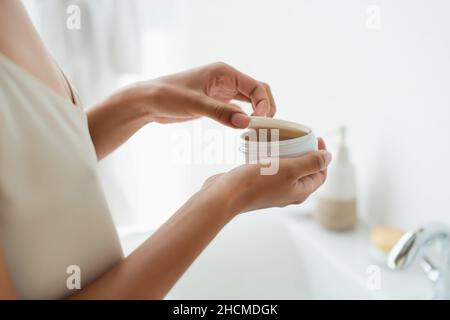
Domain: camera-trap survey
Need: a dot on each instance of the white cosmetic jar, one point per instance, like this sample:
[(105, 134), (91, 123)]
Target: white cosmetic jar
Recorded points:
[(294, 139)]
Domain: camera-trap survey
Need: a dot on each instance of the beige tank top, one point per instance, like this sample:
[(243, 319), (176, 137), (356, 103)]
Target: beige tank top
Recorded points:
[(53, 215)]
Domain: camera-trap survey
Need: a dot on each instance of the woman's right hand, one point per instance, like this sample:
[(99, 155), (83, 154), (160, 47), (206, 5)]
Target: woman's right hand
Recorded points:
[(245, 189), (204, 91)]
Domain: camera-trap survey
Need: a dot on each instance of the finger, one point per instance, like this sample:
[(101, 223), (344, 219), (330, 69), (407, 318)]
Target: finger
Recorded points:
[(196, 104), (273, 107), (241, 97), (322, 146), (255, 91), (225, 113), (321, 143), (310, 163), (260, 101), (310, 183)]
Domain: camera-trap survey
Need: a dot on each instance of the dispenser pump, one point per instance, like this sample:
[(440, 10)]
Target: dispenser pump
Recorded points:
[(342, 151)]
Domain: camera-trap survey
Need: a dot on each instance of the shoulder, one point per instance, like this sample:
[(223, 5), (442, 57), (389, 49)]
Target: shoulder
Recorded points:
[(20, 42)]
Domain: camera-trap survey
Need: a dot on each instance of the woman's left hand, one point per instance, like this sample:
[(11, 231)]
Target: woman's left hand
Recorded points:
[(204, 91)]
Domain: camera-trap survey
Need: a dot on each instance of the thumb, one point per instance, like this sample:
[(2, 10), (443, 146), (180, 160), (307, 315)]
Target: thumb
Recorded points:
[(226, 113)]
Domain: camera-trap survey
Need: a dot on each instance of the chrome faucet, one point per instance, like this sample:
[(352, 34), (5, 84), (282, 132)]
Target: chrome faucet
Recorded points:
[(414, 243)]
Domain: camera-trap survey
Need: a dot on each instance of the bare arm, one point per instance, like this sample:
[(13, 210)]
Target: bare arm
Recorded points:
[(154, 267), (7, 291)]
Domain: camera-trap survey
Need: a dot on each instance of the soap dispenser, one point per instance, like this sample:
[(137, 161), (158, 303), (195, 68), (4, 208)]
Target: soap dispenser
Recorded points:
[(336, 203)]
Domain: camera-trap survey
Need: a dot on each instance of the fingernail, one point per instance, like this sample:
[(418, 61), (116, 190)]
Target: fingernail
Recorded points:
[(327, 156), (240, 120)]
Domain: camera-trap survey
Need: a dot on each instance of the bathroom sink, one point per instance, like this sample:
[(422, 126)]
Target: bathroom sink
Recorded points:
[(279, 254)]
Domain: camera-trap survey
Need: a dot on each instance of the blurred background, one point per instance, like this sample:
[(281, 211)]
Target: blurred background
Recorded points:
[(380, 67)]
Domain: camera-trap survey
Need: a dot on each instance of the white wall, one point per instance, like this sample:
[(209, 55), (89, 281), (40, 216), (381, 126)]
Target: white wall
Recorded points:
[(329, 63), (391, 85)]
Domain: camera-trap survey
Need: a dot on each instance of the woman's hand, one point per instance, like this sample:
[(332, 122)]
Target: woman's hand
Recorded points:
[(244, 188), (204, 91)]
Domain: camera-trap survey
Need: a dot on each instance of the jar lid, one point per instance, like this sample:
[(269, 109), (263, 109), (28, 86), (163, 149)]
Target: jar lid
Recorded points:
[(287, 127), (295, 139)]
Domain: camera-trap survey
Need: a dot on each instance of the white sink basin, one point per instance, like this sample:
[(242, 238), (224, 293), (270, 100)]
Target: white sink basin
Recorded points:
[(276, 254)]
